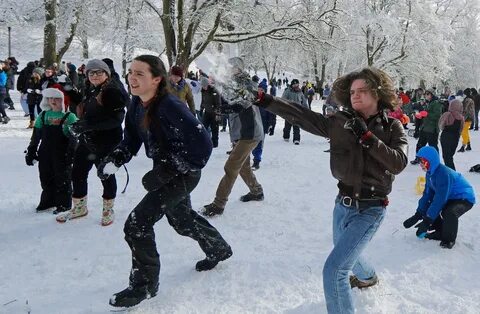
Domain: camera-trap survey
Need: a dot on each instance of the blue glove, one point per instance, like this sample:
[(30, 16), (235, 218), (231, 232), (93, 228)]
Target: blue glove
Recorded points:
[(423, 227)]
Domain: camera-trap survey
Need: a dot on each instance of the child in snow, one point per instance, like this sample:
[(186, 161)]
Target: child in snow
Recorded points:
[(446, 197), (55, 154)]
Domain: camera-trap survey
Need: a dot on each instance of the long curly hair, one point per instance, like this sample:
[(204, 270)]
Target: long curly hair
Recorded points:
[(379, 82), (157, 69)]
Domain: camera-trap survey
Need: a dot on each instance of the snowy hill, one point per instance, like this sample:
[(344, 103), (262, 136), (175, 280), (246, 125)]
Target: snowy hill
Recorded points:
[(280, 244)]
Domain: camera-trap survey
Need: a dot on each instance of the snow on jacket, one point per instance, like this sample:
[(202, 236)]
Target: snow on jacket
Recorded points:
[(367, 172), (175, 137), (245, 121), (442, 184), (196, 91)]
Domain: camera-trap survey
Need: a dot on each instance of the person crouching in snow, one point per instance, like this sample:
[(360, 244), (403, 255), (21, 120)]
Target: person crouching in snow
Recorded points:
[(55, 154), (446, 197)]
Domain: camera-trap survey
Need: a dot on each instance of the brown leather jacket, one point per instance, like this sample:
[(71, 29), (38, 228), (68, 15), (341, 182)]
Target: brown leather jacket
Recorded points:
[(362, 172)]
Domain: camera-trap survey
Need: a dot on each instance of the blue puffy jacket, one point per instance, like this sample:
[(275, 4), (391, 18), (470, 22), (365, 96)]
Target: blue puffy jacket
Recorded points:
[(442, 184)]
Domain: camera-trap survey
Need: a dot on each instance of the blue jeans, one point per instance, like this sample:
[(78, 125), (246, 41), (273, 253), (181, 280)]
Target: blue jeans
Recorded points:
[(257, 152), (352, 230)]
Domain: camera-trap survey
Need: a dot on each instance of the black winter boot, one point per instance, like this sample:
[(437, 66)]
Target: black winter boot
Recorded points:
[(416, 161), (468, 147), (44, 206), (211, 210), (211, 261), (60, 209), (462, 149), (256, 165), (133, 295), (251, 197), (447, 244)]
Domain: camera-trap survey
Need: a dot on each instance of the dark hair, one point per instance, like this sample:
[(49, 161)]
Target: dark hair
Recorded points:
[(378, 81), (157, 69)]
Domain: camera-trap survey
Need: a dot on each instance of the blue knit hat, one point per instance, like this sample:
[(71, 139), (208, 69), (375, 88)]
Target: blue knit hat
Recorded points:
[(263, 84)]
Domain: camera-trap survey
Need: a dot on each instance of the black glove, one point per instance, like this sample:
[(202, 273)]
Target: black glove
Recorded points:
[(119, 156), (412, 220), (423, 227), (30, 157), (156, 178), (101, 173), (359, 128), (78, 128)]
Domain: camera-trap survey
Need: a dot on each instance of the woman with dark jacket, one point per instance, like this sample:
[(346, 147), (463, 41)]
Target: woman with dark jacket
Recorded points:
[(367, 150), (99, 131), (451, 124), (34, 95), (180, 147)]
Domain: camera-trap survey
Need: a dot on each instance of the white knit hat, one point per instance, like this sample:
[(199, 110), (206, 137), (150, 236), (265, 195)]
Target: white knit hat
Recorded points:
[(51, 93)]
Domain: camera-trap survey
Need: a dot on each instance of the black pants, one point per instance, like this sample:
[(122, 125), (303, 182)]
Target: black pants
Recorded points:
[(476, 118), (82, 164), (210, 121), (31, 110), (446, 225), (449, 147), (173, 201), (54, 178), (286, 131), (427, 138), (2, 108)]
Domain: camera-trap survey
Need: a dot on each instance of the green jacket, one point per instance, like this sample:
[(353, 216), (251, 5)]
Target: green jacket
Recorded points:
[(430, 123)]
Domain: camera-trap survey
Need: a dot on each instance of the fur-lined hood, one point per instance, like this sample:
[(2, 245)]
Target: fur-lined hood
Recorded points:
[(51, 93)]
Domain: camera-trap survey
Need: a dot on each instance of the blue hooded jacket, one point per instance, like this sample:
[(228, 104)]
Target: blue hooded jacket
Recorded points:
[(442, 184)]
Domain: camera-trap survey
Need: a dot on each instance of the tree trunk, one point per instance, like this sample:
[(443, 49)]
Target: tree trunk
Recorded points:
[(125, 48), (84, 41), (50, 33)]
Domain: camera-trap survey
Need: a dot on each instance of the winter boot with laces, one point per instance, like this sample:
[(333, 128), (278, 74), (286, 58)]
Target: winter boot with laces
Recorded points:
[(79, 210), (211, 210), (107, 214), (131, 296), (211, 261), (251, 197), (362, 284)]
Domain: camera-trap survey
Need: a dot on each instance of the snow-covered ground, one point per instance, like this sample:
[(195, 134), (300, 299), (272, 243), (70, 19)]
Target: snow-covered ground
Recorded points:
[(280, 244)]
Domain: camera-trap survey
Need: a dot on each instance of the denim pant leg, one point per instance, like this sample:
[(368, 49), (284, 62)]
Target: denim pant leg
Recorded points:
[(353, 230)]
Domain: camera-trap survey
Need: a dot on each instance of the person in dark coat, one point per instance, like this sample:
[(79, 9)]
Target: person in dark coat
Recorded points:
[(55, 153), (210, 108), (180, 147), (99, 131), (451, 124), (34, 95)]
